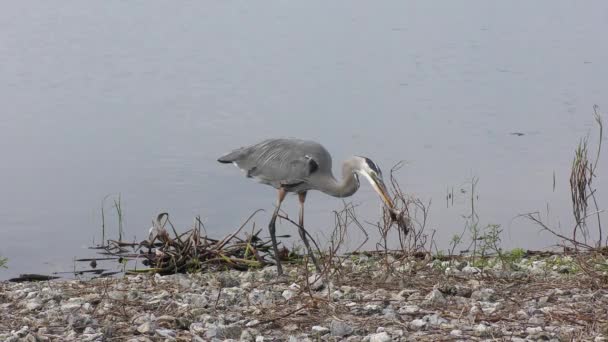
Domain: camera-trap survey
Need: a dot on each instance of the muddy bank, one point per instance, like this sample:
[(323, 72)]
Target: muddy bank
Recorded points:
[(364, 299)]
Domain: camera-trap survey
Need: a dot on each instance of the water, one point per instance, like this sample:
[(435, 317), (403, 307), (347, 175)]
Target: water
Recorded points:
[(140, 97)]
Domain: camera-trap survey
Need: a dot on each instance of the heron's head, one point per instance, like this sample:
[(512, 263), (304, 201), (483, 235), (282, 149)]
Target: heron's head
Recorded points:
[(368, 169)]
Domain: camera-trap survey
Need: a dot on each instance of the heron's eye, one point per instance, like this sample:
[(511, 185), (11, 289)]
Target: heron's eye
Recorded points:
[(373, 166)]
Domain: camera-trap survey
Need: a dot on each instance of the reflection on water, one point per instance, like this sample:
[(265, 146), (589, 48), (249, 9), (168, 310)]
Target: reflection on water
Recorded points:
[(140, 99)]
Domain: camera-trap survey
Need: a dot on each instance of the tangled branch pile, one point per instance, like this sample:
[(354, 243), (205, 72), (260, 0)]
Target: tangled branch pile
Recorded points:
[(193, 250)]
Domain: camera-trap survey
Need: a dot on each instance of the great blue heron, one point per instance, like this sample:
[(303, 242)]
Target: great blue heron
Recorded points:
[(294, 165)]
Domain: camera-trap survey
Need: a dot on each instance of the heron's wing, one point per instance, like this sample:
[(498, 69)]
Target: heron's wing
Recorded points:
[(278, 162)]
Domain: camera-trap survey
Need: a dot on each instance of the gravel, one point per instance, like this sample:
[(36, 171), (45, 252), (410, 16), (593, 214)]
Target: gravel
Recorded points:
[(363, 302)]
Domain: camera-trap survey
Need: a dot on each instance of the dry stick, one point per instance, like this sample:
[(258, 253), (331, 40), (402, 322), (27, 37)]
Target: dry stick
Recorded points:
[(300, 227), (227, 239), (530, 216), (280, 317)]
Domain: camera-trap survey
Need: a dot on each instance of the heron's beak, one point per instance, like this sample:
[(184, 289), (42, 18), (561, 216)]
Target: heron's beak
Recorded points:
[(396, 215), (380, 187)]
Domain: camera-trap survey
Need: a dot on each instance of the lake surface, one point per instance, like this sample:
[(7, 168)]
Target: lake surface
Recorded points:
[(141, 97)]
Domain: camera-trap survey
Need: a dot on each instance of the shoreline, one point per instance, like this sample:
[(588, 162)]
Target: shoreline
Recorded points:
[(364, 299)]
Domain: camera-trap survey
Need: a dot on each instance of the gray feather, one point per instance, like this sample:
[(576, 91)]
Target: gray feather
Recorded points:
[(287, 163)]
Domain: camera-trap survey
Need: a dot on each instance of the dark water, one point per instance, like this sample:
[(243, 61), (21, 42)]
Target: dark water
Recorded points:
[(140, 97)]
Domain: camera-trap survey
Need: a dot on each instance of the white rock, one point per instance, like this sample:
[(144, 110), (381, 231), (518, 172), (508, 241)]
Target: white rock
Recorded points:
[(197, 328), (482, 329), (485, 294), (167, 333), (489, 308), (409, 309), (372, 308), (288, 294), (339, 328), (319, 330), (21, 332), (146, 328), (456, 332), (252, 323), (246, 336), (72, 304), (471, 270), (533, 330), (435, 297), (34, 304), (336, 295), (380, 337), (434, 319), (417, 324), (316, 282)]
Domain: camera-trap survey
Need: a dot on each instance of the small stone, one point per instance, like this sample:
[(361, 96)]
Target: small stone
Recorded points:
[(21, 332), (29, 338), (536, 320), (471, 270), (340, 329), (252, 323), (372, 308), (482, 329), (380, 337), (117, 295), (405, 293), (316, 282), (533, 330), (33, 305), (72, 304), (246, 336), (167, 333), (288, 294), (389, 313), (489, 308), (146, 328), (521, 314), (456, 332), (486, 295), (409, 309), (434, 319), (221, 331), (290, 327), (435, 297), (337, 295), (417, 324), (89, 331), (259, 338), (319, 330)]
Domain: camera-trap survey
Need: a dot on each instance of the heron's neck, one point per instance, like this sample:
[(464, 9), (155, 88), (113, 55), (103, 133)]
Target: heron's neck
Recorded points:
[(345, 187)]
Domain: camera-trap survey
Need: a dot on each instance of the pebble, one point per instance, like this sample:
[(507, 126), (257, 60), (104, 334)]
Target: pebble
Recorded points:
[(435, 297), (340, 329), (380, 337), (319, 330), (316, 282), (144, 308), (418, 324), (146, 328)]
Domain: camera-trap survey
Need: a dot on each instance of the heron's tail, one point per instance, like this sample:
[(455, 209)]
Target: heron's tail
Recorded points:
[(231, 157)]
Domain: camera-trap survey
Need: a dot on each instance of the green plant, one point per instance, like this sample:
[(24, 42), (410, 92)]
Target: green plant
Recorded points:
[(3, 262)]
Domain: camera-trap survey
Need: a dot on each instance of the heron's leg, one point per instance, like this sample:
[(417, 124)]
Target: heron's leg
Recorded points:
[(302, 198), (272, 229)]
